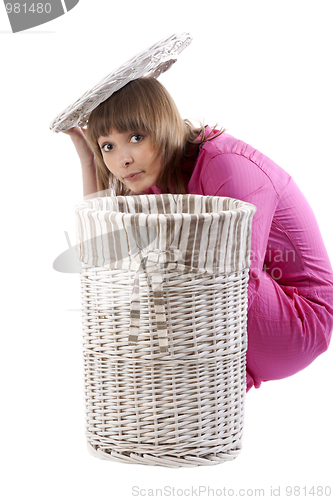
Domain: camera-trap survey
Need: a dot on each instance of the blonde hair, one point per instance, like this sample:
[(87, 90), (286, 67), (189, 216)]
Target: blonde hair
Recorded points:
[(145, 105)]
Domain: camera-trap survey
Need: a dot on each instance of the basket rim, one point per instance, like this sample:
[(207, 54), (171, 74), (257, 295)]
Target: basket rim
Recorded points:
[(241, 206)]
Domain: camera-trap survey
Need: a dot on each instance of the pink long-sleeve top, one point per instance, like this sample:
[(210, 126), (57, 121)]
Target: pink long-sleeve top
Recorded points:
[(290, 294)]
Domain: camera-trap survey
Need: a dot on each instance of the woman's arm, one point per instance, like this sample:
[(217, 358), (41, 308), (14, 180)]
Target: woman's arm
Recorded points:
[(87, 160), (235, 176)]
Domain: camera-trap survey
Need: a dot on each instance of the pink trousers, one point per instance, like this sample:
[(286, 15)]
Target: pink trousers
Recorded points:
[(290, 315)]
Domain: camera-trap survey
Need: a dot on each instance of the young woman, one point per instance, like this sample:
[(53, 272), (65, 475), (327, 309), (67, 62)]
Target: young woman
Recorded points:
[(136, 142)]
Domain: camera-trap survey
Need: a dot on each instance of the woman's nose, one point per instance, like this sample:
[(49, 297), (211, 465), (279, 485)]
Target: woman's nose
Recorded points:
[(124, 158)]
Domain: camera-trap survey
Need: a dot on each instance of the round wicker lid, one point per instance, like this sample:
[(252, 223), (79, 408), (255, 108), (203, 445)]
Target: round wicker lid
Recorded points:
[(150, 62)]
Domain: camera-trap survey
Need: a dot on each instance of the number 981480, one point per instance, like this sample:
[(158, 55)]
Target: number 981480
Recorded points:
[(25, 8)]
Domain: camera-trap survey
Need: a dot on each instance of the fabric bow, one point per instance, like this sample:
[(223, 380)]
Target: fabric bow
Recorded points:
[(153, 262)]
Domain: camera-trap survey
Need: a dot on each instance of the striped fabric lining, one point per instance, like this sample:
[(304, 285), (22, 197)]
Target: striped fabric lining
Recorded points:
[(211, 232), (156, 233)]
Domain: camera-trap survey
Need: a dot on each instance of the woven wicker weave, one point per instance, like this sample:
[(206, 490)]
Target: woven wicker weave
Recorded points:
[(170, 396)]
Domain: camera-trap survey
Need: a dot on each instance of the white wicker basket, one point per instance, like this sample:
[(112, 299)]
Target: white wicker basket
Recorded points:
[(164, 299)]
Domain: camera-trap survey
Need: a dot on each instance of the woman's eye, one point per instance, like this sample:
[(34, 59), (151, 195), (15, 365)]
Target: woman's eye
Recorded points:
[(136, 138), (106, 147)]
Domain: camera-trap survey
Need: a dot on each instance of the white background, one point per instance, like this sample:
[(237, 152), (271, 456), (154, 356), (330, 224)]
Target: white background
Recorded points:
[(260, 68)]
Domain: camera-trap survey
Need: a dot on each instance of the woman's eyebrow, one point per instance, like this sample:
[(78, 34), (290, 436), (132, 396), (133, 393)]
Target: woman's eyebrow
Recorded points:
[(100, 139)]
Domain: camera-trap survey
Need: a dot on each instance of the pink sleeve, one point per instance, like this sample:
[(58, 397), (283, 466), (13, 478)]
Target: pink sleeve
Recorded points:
[(238, 177)]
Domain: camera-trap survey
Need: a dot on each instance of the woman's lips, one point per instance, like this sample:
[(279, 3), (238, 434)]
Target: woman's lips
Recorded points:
[(133, 176)]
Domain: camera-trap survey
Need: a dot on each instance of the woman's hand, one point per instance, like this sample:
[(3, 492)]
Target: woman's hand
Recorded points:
[(87, 159), (86, 154)]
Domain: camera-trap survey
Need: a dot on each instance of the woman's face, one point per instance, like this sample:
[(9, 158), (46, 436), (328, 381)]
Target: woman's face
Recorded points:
[(130, 157)]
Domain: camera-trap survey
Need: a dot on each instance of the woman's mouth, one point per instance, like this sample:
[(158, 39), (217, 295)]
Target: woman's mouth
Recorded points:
[(133, 176)]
